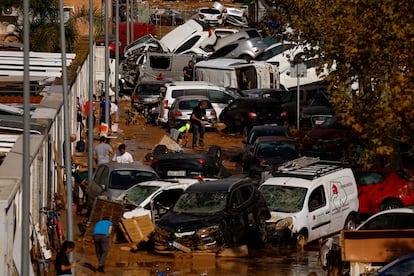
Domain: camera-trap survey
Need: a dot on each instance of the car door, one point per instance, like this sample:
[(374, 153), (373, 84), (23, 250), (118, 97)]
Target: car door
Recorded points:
[(237, 215), (319, 213), (99, 184), (163, 201)]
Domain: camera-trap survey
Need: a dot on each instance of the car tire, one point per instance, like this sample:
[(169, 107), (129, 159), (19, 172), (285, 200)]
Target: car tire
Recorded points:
[(262, 231), (391, 204), (215, 152), (351, 222), (301, 239)]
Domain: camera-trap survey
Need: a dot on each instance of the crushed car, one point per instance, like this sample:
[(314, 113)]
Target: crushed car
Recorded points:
[(190, 165), (211, 216)]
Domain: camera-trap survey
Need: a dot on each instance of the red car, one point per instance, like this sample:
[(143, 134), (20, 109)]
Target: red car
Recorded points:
[(381, 189)]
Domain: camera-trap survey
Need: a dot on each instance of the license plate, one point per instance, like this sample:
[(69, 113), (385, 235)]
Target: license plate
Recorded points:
[(176, 173)]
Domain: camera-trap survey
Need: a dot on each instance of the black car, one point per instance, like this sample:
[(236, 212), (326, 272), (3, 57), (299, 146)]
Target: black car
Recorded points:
[(259, 131), (269, 151), (213, 215), (244, 113), (190, 165)]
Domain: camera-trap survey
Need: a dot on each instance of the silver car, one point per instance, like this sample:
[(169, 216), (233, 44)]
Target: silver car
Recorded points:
[(111, 179), (242, 49), (183, 106)]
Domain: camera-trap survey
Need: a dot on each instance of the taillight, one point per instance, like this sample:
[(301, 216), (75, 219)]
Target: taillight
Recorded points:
[(252, 115), (112, 47), (165, 104), (213, 113), (210, 32), (199, 176), (178, 113), (201, 15), (224, 11), (284, 114), (154, 161), (201, 161), (219, 16)]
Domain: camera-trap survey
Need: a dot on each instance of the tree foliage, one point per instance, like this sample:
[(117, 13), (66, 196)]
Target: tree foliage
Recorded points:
[(371, 42)]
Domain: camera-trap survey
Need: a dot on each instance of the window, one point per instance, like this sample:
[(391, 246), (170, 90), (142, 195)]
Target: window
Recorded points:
[(317, 199), (224, 51), (369, 178), (188, 44), (217, 96), (160, 62)]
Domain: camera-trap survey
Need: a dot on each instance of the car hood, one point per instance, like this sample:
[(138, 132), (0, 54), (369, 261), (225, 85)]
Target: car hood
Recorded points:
[(177, 223)]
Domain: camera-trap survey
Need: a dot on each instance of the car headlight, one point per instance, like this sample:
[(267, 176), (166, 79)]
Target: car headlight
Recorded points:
[(207, 230), (263, 163), (283, 223)]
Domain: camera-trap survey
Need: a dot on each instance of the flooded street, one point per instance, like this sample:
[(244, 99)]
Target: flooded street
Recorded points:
[(140, 139)]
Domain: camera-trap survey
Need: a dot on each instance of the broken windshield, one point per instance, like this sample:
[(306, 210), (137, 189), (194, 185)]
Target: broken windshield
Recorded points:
[(139, 193), (201, 203), (284, 199)]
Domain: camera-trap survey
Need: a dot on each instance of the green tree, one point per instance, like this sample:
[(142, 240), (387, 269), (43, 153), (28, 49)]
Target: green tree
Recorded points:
[(371, 42)]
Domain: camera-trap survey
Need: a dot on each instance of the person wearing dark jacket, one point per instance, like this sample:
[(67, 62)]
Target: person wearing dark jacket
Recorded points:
[(199, 113), (62, 264)]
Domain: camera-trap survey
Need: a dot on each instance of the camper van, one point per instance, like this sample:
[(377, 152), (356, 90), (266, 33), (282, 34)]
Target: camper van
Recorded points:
[(238, 73), (309, 199)]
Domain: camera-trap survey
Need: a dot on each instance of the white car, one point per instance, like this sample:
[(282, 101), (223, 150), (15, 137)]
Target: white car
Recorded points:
[(191, 34), (153, 198), (210, 16)]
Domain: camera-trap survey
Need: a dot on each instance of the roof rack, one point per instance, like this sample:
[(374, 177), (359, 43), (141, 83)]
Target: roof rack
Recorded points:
[(308, 167)]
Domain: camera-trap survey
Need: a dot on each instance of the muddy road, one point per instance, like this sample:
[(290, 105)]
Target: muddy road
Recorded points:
[(140, 139)]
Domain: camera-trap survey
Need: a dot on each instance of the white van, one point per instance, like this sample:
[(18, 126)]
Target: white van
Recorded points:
[(238, 73), (309, 199), (219, 96)]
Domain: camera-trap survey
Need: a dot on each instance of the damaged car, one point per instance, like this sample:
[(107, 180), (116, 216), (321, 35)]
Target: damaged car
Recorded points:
[(190, 165), (211, 216)]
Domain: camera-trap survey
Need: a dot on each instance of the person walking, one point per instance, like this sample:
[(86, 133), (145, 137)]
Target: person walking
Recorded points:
[(122, 156), (188, 71), (101, 234), (199, 113), (62, 264), (86, 109), (102, 152)]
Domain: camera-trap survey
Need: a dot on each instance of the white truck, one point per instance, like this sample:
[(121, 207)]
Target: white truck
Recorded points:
[(238, 73)]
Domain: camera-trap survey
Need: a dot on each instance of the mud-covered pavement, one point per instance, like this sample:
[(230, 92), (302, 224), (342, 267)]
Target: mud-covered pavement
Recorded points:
[(140, 139)]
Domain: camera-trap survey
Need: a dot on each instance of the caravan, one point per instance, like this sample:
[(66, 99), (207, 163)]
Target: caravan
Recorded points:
[(238, 73)]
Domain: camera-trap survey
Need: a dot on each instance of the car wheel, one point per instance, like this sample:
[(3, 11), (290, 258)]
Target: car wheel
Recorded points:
[(245, 57), (262, 231), (215, 152), (350, 222), (301, 239), (392, 204)]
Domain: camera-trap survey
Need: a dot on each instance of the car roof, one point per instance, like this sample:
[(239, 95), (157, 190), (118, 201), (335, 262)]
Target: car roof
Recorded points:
[(404, 210), (268, 127), (263, 139), (136, 165), (221, 185), (191, 97)]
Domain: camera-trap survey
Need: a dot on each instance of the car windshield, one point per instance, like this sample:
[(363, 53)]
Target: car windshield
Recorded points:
[(207, 203), (139, 193), (124, 179), (210, 11), (284, 199), (149, 89), (269, 150), (391, 220), (190, 104), (331, 122)]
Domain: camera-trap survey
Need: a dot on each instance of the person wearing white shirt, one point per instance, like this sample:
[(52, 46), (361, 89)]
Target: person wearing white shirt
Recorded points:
[(122, 156)]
